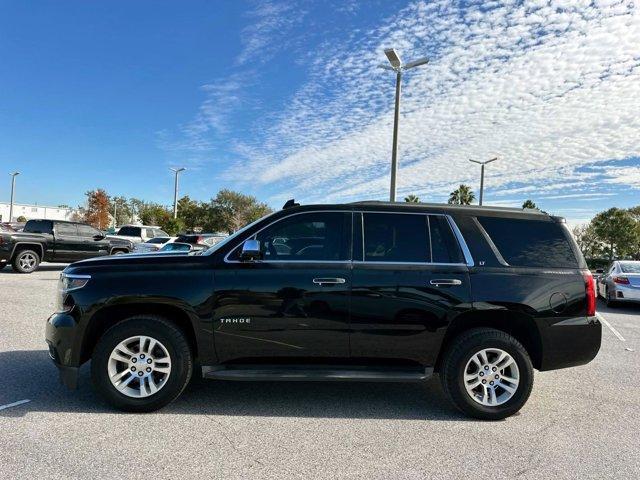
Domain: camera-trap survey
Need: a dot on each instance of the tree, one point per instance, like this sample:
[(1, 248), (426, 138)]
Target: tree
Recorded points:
[(21, 219), (588, 242), (235, 210), (173, 226), (463, 195), (616, 228), (412, 199), (196, 215), (121, 209), (154, 214), (97, 212), (529, 204)]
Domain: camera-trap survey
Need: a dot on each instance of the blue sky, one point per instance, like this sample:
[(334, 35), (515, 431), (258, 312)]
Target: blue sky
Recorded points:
[(284, 99)]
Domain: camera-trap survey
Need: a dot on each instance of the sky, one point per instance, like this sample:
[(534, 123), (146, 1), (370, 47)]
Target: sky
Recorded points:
[(285, 99)]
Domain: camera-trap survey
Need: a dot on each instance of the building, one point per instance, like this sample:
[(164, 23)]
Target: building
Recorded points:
[(34, 211)]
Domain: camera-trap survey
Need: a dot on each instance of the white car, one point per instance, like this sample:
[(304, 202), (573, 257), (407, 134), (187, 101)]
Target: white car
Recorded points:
[(152, 245), (139, 233)]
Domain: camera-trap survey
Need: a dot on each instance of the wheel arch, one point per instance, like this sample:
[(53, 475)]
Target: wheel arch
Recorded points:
[(519, 325), (110, 315), (20, 246)]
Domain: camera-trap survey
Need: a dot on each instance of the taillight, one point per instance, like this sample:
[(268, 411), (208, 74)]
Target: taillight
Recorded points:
[(199, 240), (621, 280), (590, 291)]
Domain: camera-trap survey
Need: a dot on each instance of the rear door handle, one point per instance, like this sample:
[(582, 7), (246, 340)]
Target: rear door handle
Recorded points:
[(446, 282), (329, 281)]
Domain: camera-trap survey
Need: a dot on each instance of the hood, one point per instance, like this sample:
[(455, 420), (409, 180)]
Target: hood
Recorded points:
[(116, 240), (136, 261)]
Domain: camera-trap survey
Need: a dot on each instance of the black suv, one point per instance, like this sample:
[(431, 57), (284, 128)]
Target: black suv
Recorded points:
[(366, 291)]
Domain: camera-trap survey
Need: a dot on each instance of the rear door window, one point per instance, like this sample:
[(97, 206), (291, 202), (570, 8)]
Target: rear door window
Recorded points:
[(390, 237), (530, 243), (38, 226), (66, 229), (444, 246)]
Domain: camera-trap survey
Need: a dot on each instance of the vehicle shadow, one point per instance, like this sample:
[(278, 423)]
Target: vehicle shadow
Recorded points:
[(619, 308), (53, 267), (29, 374)]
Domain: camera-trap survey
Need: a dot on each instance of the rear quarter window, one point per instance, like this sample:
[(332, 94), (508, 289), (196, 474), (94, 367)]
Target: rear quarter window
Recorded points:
[(530, 243), (38, 226)]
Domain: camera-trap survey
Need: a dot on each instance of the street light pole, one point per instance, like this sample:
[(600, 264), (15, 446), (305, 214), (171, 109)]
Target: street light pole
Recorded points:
[(397, 66), (13, 187), (482, 164), (175, 191)]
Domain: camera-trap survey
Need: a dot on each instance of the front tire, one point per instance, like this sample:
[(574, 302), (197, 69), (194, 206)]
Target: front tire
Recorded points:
[(25, 261), (487, 374), (141, 364)]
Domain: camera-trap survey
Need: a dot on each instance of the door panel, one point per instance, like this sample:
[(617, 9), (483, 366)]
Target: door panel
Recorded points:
[(69, 245), (90, 246)]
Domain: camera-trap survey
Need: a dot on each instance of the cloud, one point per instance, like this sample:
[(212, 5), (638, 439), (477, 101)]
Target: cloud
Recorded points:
[(548, 87)]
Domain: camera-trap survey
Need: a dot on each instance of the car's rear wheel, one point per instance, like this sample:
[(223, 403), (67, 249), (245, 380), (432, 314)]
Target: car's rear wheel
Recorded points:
[(142, 364), (487, 374), (25, 261), (610, 301)]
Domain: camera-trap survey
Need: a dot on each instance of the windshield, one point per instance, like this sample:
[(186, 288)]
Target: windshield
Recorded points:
[(630, 267), (173, 247), (233, 236)]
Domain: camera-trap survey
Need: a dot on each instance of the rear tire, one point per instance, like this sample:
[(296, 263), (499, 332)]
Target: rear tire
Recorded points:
[(609, 301), (463, 367), (170, 364), (25, 261)]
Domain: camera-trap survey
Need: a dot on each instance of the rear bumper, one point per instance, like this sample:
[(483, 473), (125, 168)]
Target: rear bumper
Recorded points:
[(572, 342), (623, 293), (60, 335)]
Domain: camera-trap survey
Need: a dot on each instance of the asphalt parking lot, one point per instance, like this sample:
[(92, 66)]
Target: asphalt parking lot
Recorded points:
[(579, 423)]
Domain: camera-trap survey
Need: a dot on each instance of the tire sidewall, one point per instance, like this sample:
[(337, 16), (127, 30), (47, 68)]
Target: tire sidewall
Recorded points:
[(20, 254), (458, 364), (177, 347)]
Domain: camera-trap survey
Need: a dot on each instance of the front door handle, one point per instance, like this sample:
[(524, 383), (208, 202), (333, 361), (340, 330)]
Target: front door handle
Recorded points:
[(329, 281), (446, 282)]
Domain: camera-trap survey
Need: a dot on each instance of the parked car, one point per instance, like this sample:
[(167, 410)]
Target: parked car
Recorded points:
[(139, 233), (365, 291), (175, 247), (6, 227), (152, 245), (204, 240), (620, 283), (55, 241)]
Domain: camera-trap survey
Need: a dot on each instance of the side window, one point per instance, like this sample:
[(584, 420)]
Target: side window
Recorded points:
[(38, 226), (66, 229), (444, 246), (149, 232), (322, 236), (130, 231), (87, 231), (390, 237), (160, 233), (530, 243)]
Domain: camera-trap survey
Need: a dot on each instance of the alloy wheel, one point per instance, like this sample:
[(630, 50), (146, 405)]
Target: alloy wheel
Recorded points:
[(491, 377), (28, 261), (139, 366)]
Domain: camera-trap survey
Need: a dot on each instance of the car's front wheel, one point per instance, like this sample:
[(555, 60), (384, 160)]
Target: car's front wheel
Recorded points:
[(487, 374), (141, 364), (26, 261)]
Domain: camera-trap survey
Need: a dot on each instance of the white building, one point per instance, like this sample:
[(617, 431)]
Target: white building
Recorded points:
[(34, 211)]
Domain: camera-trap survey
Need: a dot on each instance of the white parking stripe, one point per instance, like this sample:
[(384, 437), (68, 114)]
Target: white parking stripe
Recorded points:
[(610, 327), (14, 404)]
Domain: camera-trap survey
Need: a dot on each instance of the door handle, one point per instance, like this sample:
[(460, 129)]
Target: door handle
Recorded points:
[(329, 281), (446, 282)]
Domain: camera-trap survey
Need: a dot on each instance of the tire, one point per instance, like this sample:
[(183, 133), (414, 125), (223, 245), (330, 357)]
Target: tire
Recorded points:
[(25, 261), (458, 360), (610, 303), (171, 344)]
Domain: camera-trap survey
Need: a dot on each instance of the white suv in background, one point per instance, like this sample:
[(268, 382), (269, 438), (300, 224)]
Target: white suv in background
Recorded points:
[(152, 245), (140, 233)]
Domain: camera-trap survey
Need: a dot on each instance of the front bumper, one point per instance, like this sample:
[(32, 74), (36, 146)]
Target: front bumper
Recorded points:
[(569, 343), (60, 335)]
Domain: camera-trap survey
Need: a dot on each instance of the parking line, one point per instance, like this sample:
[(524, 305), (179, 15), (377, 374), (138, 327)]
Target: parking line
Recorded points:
[(610, 327), (14, 404)]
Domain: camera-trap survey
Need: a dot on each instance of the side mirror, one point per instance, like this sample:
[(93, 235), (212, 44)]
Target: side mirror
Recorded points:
[(250, 250), (99, 236)]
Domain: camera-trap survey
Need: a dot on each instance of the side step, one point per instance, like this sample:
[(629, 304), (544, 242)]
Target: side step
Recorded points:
[(313, 373)]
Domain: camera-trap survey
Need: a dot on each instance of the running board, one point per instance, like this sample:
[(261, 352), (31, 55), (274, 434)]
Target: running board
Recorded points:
[(314, 373)]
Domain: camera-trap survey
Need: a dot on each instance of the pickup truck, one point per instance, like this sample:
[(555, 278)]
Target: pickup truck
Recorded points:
[(55, 241)]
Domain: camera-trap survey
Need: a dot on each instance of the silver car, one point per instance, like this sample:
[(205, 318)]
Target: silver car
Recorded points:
[(621, 282)]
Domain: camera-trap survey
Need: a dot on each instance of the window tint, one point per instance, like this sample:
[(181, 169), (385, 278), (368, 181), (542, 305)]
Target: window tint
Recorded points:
[(130, 231), (530, 243), (87, 231), (158, 240), (307, 236), (444, 246), (392, 237), (38, 226), (66, 229)]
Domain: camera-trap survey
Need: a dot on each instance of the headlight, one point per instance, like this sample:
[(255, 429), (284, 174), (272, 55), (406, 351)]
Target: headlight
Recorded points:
[(69, 282)]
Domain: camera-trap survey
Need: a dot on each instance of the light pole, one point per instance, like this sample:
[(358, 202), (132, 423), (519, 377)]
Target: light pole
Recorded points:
[(175, 191), (13, 187), (482, 164), (397, 66)]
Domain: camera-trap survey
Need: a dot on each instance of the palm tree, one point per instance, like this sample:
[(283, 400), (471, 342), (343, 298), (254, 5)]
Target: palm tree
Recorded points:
[(529, 204), (412, 199), (463, 195)]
